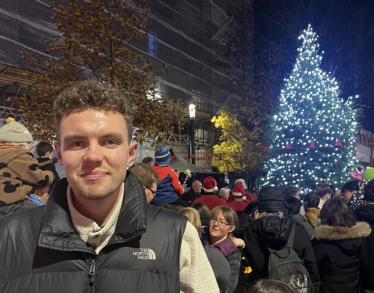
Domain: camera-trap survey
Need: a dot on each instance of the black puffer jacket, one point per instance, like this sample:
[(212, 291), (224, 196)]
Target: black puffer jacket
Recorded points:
[(366, 213), (42, 252), (273, 232), (244, 221), (337, 251)]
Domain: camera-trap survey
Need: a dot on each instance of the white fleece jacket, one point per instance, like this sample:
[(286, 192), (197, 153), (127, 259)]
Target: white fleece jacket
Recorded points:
[(196, 274)]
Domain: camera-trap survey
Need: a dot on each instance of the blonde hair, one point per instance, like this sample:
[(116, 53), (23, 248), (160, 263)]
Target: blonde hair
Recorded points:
[(193, 216)]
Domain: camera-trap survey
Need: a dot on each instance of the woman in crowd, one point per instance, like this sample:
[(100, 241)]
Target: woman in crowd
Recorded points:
[(294, 206), (312, 211), (324, 192), (218, 236), (337, 248), (352, 193)]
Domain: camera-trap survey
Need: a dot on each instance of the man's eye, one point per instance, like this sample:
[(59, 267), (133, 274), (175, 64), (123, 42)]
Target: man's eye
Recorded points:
[(77, 143), (110, 142)]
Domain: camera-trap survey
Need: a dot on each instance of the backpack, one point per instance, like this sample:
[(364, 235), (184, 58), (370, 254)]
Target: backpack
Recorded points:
[(285, 265)]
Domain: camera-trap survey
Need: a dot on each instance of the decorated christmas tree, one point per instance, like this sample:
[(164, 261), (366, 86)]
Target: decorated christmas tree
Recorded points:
[(313, 130)]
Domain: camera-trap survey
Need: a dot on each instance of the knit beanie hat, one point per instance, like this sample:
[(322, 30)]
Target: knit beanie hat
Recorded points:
[(210, 184), (238, 191), (271, 200), (14, 132), (162, 155)]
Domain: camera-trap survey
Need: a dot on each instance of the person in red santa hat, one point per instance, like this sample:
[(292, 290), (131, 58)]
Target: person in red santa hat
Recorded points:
[(209, 197), (238, 204), (249, 196)]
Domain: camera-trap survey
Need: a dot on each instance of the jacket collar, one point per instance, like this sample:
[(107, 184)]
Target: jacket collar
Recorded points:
[(361, 229), (57, 230)]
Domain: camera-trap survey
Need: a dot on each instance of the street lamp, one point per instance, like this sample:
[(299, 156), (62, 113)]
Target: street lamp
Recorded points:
[(192, 133)]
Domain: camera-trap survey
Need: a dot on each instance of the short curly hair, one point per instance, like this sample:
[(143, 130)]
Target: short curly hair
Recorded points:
[(84, 95)]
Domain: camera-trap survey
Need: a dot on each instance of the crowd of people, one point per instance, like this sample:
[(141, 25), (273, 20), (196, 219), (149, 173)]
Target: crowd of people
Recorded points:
[(113, 225)]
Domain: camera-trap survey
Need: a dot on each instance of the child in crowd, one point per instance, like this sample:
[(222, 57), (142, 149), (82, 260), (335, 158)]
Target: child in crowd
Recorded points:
[(169, 189), (19, 169), (46, 160)]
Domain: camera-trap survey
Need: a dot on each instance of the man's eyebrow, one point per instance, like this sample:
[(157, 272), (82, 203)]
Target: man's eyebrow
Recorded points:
[(116, 135), (73, 137)]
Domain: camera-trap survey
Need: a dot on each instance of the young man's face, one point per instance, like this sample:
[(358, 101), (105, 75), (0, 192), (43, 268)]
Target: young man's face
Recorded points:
[(95, 151)]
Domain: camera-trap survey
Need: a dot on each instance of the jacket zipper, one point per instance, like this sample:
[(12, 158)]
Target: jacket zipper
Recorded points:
[(91, 273)]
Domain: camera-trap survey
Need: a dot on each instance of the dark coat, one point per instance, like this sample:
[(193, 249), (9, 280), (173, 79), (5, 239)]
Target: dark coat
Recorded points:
[(205, 219), (189, 196), (46, 164), (366, 213), (244, 221), (308, 227), (40, 250), (337, 251), (273, 231)]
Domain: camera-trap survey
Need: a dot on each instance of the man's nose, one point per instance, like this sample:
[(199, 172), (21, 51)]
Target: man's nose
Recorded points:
[(94, 153)]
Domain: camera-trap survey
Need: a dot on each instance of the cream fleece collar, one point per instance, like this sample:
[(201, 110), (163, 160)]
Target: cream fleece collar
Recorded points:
[(88, 230)]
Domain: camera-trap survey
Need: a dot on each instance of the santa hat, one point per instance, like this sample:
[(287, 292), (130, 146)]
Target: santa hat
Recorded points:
[(210, 184), (238, 191)]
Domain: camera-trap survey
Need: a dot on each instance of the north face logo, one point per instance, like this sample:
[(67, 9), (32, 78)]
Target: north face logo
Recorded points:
[(145, 253)]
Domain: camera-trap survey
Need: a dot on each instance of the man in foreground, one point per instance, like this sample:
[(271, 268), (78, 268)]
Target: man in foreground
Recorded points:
[(97, 233)]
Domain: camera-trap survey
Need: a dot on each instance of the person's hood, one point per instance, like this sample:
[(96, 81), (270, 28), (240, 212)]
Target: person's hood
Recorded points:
[(361, 229), (8, 155), (274, 230), (346, 238), (365, 213)]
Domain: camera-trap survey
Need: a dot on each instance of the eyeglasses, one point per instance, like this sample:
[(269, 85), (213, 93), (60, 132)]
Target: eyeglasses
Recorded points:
[(153, 192), (220, 223)]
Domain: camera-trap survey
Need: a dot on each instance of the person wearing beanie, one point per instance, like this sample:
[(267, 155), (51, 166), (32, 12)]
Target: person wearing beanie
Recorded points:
[(169, 188), (19, 172), (238, 205), (272, 230), (248, 196), (365, 213), (209, 197)]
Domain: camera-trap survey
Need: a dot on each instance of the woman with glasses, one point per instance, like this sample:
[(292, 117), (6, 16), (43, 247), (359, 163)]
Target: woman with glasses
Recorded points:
[(218, 236)]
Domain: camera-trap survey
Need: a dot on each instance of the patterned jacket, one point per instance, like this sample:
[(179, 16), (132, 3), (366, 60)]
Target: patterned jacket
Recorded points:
[(19, 173)]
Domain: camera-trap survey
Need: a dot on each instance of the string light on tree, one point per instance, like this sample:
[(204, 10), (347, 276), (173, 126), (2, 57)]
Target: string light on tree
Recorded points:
[(309, 118)]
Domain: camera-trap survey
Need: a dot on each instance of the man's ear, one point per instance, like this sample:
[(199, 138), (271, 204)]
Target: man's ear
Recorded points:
[(132, 153), (58, 153)]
